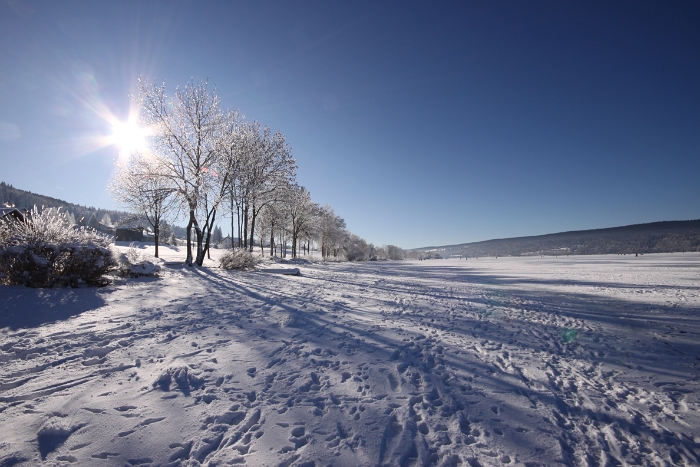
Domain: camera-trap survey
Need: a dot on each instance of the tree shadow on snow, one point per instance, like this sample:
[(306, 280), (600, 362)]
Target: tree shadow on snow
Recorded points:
[(625, 340), (22, 307)]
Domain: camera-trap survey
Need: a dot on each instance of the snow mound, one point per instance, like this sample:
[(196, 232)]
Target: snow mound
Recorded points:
[(53, 433), (183, 377), (145, 268), (134, 264)]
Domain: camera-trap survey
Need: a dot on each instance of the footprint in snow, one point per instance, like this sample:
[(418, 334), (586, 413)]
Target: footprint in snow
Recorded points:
[(141, 461), (393, 383), (105, 455)]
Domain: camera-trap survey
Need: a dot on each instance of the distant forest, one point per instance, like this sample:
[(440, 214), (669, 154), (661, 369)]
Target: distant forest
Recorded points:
[(655, 237), (82, 215)]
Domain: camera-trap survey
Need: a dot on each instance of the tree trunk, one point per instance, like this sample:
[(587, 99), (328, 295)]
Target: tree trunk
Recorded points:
[(200, 248), (245, 228), (232, 224), (240, 226), (188, 261), (208, 229), (252, 228), (156, 233)]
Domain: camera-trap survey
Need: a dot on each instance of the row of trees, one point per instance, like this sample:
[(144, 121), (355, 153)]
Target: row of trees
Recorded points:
[(205, 162)]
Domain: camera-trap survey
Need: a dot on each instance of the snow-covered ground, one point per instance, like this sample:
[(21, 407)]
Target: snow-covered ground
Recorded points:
[(508, 361)]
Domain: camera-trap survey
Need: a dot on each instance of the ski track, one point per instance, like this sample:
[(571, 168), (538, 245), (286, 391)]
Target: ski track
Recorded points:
[(582, 361)]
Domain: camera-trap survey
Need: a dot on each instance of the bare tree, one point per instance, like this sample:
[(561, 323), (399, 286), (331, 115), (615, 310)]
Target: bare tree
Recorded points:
[(270, 221), (301, 213), (140, 187), (236, 146), (356, 249), (265, 169), (331, 231), (187, 132), (211, 160), (395, 252)]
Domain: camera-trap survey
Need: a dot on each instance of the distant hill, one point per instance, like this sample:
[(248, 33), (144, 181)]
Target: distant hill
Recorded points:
[(83, 215), (655, 237)]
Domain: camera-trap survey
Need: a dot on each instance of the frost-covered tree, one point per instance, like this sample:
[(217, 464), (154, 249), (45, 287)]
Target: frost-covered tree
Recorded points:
[(264, 228), (394, 252), (236, 144), (282, 226), (92, 221), (187, 132), (331, 229), (356, 249), (270, 221), (141, 186), (264, 168), (214, 161), (301, 214), (165, 232), (218, 236)]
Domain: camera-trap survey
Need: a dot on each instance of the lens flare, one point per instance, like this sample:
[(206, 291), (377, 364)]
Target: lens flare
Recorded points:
[(129, 137)]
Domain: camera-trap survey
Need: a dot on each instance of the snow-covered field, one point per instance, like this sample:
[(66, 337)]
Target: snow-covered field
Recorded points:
[(508, 361)]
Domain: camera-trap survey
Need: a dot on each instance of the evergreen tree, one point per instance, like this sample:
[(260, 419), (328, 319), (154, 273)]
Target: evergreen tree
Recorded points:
[(217, 236)]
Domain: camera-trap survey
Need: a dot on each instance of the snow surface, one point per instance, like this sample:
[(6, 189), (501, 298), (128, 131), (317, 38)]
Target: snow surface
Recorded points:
[(508, 361)]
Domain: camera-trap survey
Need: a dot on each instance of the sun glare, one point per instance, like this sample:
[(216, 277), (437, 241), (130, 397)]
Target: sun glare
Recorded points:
[(129, 137)]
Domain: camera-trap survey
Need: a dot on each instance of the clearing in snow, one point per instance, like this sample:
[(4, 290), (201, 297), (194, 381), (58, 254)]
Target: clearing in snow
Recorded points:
[(510, 361)]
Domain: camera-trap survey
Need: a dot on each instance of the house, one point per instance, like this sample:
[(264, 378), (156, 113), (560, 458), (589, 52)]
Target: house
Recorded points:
[(226, 242), (128, 234), (13, 213), (105, 229)]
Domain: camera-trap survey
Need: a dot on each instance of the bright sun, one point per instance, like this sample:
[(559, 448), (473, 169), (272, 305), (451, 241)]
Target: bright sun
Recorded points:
[(129, 137)]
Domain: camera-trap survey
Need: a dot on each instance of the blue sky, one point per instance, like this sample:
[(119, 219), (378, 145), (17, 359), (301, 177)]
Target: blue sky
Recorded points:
[(421, 123)]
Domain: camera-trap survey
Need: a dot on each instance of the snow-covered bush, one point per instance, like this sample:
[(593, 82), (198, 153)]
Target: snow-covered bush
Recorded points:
[(134, 264), (140, 269), (132, 254), (46, 251), (238, 259)]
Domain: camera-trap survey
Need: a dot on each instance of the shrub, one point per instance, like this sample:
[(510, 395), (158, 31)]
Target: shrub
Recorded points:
[(46, 251), (132, 254), (238, 259), (134, 264)]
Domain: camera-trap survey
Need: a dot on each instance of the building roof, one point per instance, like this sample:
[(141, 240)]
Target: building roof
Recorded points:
[(14, 212)]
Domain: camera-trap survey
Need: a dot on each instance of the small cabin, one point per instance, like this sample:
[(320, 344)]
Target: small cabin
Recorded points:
[(105, 229), (13, 213), (128, 234), (226, 243)]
